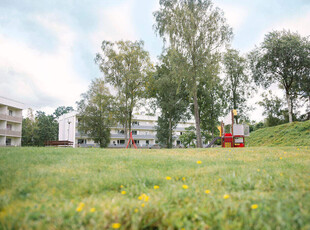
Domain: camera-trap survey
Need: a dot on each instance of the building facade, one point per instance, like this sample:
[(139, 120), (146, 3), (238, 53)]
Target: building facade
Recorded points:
[(11, 118), (143, 132)]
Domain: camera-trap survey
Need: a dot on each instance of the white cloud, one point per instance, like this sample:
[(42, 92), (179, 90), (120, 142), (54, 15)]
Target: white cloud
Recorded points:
[(235, 15), (298, 23), (39, 79), (115, 23)]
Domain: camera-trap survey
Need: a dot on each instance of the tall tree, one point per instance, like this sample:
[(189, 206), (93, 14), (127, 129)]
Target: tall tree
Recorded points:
[(282, 58), (196, 30), (126, 66), (171, 99), (237, 82), (47, 128), (95, 112)]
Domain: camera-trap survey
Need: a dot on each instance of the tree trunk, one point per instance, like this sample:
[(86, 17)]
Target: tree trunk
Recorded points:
[(129, 128), (197, 120), (289, 104), (170, 136), (126, 122)]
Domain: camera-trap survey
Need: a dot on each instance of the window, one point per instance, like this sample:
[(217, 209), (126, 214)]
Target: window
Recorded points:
[(120, 142), (135, 123), (178, 142), (82, 141), (147, 142), (10, 113), (121, 131), (9, 127), (181, 133), (8, 142), (134, 132)]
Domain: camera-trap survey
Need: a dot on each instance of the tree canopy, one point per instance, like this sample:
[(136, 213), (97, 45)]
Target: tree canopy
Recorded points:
[(282, 58), (196, 30), (126, 66), (95, 112)]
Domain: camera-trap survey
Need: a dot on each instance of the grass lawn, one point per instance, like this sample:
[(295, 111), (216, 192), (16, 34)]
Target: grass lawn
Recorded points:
[(65, 188)]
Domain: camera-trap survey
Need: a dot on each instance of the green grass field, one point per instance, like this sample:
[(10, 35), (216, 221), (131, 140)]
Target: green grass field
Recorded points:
[(65, 188), (290, 134)]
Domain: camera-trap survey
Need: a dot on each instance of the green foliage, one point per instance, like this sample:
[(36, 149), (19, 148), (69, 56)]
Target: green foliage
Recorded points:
[(127, 67), (273, 109), (41, 128), (291, 134), (61, 110), (41, 188), (95, 112), (171, 98), (282, 58), (211, 101), (46, 128), (196, 30), (237, 83), (188, 137)]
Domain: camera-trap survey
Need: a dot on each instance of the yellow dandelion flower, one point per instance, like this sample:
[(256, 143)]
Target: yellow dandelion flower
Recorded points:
[(122, 186), (156, 187), (143, 197), (136, 210), (254, 206), (123, 192), (258, 170), (198, 162), (220, 179), (80, 207), (281, 158), (284, 152), (116, 225), (183, 178), (298, 149), (184, 186), (226, 196), (207, 191), (281, 174), (229, 150), (92, 210), (229, 159), (168, 178), (142, 205)]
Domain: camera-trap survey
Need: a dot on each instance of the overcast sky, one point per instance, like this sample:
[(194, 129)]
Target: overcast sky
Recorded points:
[(47, 48)]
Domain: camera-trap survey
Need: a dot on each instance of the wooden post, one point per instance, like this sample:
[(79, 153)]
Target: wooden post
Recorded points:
[(222, 132)]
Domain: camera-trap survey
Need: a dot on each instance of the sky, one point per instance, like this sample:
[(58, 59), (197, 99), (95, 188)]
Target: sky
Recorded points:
[(47, 47)]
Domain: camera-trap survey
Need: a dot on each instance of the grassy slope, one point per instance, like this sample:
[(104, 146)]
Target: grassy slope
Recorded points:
[(293, 134), (41, 188)]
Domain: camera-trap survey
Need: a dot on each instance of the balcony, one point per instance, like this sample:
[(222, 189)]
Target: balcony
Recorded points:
[(135, 137), (11, 133), (11, 118)]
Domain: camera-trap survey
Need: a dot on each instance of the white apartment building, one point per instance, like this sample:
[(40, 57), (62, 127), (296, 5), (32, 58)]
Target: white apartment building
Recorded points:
[(11, 118), (143, 132)]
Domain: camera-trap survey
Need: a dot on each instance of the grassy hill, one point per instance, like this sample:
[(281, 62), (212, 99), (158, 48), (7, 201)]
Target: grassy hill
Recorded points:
[(215, 188), (293, 134)]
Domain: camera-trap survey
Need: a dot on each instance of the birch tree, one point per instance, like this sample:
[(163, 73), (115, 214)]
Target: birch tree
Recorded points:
[(197, 30)]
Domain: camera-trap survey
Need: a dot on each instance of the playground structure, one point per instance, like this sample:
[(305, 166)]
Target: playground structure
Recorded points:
[(132, 142), (237, 134)]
